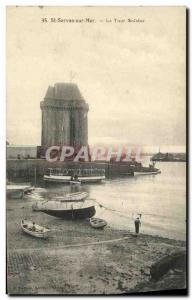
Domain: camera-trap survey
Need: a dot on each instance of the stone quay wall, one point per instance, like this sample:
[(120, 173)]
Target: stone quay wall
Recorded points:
[(29, 168)]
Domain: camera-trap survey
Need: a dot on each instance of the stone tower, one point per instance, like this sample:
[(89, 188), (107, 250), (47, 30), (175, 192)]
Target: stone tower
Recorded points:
[(64, 116)]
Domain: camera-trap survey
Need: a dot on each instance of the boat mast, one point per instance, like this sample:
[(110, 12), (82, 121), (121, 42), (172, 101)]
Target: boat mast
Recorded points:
[(35, 176)]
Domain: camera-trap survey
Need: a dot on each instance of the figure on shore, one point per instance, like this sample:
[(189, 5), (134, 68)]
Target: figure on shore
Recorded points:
[(137, 225)]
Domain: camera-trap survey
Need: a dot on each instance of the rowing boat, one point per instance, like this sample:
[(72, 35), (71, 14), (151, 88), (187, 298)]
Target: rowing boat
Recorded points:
[(97, 223), (35, 230)]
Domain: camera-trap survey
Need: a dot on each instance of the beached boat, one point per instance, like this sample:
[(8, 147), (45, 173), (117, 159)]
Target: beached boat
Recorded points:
[(73, 197), (67, 209), (35, 230), (97, 223)]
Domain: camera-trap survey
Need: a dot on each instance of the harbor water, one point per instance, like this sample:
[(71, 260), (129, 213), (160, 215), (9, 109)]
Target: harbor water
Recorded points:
[(160, 199)]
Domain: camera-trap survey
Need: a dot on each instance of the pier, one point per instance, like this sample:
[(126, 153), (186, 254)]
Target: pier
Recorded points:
[(18, 191)]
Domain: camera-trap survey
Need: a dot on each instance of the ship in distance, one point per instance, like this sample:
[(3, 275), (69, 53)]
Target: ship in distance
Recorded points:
[(169, 157)]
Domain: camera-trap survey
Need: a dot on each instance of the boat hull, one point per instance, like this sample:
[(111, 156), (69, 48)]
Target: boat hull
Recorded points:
[(41, 233), (72, 214), (59, 179), (147, 173), (74, 182), (97, 223), (67, 179), (92, 179)]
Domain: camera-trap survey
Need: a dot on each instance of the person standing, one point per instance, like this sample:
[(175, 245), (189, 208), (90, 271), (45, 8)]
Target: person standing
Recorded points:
[(137, 225)]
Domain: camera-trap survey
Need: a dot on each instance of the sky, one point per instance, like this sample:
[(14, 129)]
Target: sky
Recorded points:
[(132, 74)]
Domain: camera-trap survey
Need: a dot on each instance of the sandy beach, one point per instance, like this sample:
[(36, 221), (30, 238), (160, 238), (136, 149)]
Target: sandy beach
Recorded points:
[(78, 259)]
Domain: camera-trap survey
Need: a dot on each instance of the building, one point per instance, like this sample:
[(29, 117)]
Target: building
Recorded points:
[(64, 116), (21, 152)]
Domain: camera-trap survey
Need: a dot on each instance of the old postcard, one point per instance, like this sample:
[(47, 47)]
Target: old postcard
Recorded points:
[(96, 150)]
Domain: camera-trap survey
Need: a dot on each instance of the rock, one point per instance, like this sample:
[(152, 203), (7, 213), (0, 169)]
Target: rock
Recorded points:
[(32, 268), (178, 271), (175, 260), (145, 272)]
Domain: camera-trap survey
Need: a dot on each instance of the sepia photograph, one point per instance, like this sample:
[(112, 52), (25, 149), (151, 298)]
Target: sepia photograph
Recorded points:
[(96, 150)]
